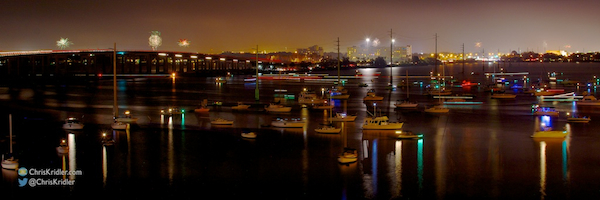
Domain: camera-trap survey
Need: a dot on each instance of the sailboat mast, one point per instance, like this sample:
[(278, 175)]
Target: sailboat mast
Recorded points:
[(391, 56), (115, 106), (338, 64), (10, 129)]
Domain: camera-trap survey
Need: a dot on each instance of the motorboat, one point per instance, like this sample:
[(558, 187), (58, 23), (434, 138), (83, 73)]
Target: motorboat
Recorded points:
[(328, 129), (407, 135), (127, 118), (240, 106), (579, 119), (221, 121), (220, 80), (323, 106), (342, 117), (437, 109), (172, 111), (405, 104), (277, 108), (381, 123), (576, 119), (288, 124), (62, 147), (537, 110), (503, 96), (588, 100), (310, 97), (349, 155), (72, 124), (250, 135), (550, 134), (119, 125), (363, 85), (373, 97)]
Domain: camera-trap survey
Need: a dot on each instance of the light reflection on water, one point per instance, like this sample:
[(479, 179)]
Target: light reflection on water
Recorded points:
[(474, 151)]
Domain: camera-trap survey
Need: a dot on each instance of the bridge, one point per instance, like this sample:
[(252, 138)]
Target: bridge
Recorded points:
[(96, 62)]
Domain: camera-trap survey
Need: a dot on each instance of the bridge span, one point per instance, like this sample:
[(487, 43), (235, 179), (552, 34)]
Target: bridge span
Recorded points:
[(95, 62)]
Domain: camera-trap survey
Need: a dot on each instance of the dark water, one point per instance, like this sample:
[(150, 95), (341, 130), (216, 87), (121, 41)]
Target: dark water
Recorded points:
[(475, 151)]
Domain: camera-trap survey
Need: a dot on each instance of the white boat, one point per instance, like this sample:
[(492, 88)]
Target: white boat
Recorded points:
[(588, 100), (62, 147), (72, 124), (381, 123), (288, 124), (405, 104), (342, 117), (250, 135), (550, 134), (221, 121), (240, 106), (328, 129), (544, 111), (119, 125), (503, 96), (373, 97), (407, 135), (437, 109), (277, 108), (348, 156), (310, 97), (10, 163)]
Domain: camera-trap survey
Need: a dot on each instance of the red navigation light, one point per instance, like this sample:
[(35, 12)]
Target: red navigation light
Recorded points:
[(99, 75)]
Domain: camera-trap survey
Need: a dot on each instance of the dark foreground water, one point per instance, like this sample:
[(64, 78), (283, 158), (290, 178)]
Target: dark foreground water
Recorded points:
[(475, 151)]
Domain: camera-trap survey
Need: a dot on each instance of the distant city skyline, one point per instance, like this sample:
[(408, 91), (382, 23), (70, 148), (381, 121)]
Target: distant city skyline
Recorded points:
[(239, 26)]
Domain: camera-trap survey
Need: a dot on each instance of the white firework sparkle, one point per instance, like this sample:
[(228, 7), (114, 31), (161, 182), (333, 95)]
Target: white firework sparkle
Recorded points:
[(154, 41), (63, 43)]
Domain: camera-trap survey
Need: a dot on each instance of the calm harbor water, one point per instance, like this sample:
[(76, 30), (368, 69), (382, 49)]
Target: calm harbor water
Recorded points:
[(474, 151)]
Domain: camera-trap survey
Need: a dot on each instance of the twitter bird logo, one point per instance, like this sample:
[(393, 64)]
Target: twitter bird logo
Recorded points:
[(22, 182)]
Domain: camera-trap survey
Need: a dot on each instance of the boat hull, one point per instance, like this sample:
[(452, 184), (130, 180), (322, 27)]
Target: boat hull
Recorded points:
[(284, 109), (10, 164), (390, 126), (578, 120), (250, 135), (345, 119), (336, 130), (550, 134), (127, 120)]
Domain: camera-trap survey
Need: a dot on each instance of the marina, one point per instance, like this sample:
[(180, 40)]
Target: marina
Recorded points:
[(483, 151)]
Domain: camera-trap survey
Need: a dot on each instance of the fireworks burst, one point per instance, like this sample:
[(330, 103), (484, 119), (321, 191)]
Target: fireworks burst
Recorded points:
[(63, 43), (154, 41), (183, 43), (376, 42)]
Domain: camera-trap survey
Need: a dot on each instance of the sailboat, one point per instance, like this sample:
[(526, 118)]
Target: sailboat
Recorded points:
[(406, 103), (438, 108), (118, 121), (11, 162), (329, 128)]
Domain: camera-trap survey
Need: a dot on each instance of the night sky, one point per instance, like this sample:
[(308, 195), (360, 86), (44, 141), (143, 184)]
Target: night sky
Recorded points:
[(283, 25)]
